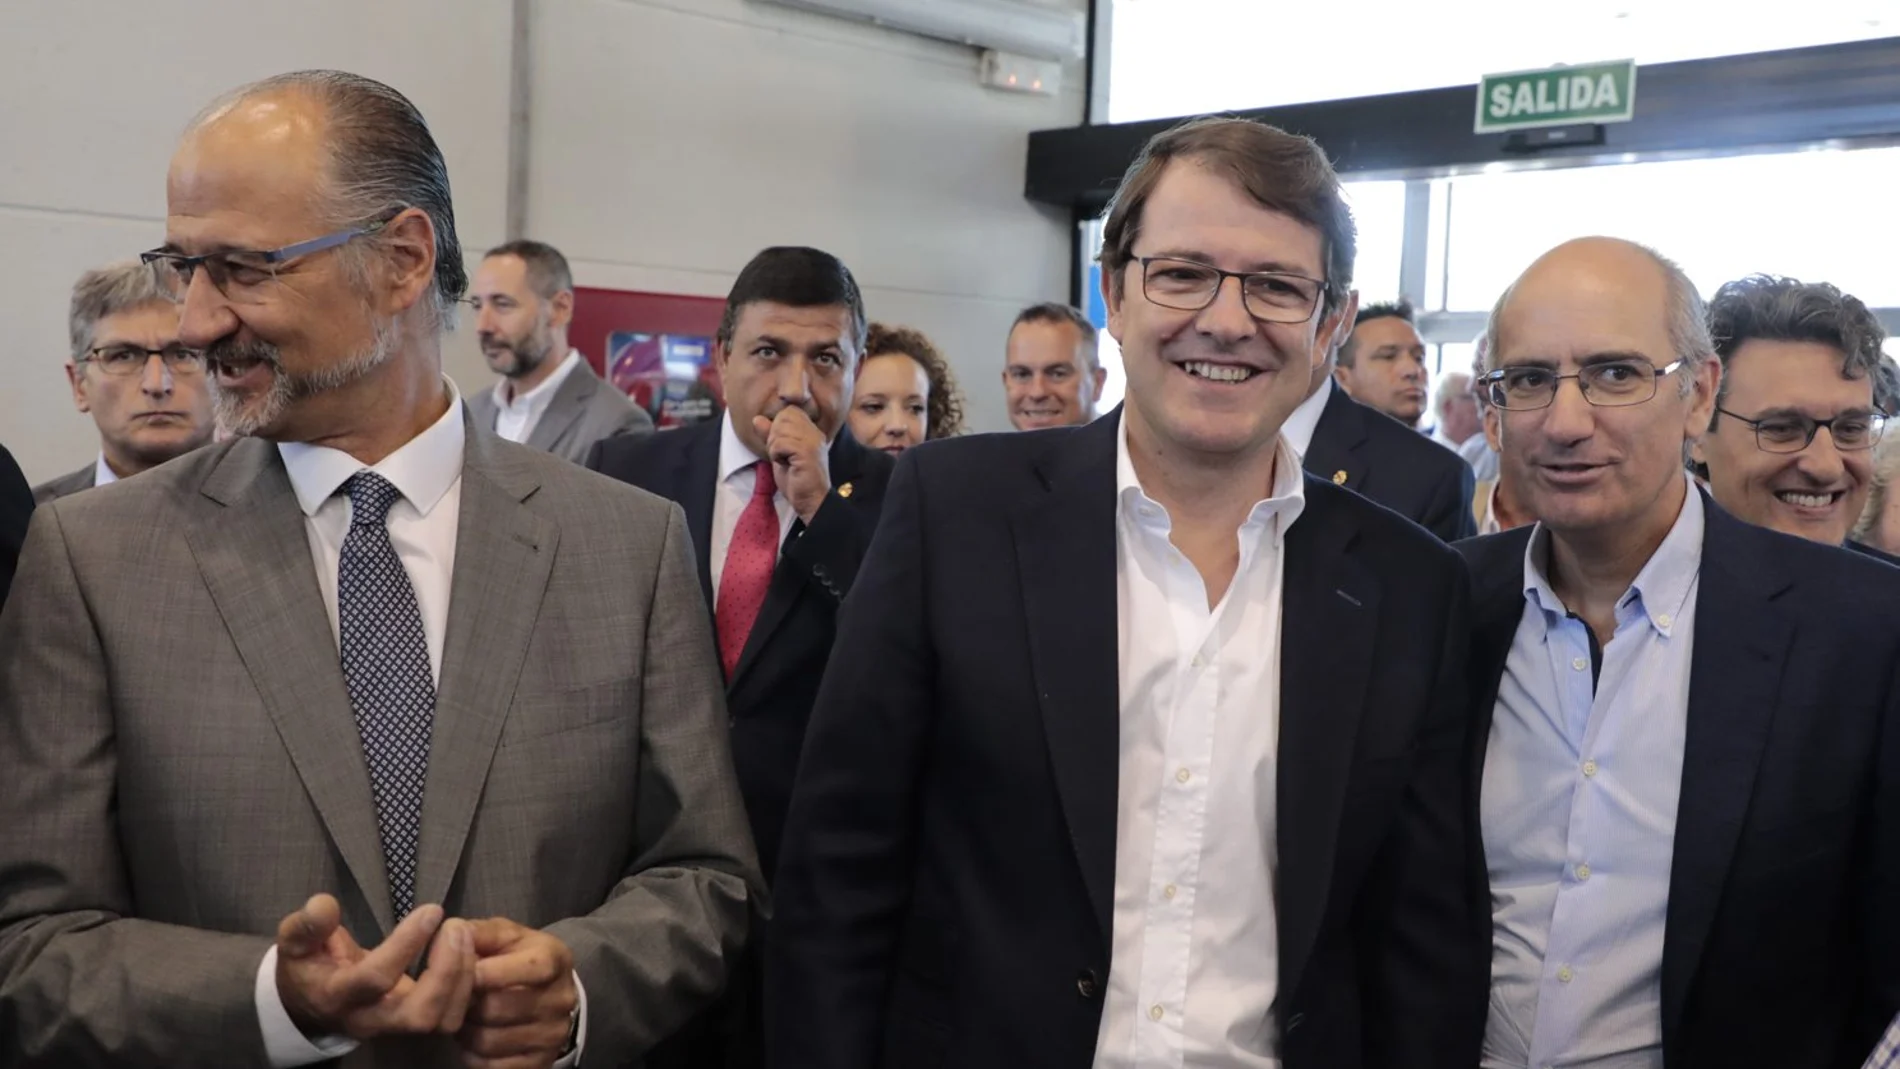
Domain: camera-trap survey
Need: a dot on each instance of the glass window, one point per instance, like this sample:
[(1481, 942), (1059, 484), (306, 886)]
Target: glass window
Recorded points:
[(1184, 57), (1816, 216), (1378, 208)]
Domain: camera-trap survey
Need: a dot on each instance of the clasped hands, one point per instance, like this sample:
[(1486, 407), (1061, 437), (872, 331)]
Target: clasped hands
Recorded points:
[(505, 992)]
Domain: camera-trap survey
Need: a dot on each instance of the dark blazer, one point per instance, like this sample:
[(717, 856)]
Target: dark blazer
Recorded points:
[(770, 694), (65, 485), (1362, 449), (1866, 550), (16, 508), (945, 890), (1782, 944)]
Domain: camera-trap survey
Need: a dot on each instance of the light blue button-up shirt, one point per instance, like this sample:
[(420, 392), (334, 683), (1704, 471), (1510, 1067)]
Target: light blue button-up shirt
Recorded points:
[(1579, 815)]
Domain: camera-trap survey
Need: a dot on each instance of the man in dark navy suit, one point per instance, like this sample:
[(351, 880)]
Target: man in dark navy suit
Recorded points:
[(1690, 725), (16, 508)]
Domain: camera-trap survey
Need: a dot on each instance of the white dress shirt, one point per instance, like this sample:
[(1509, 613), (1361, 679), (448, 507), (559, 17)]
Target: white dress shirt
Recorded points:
[(515, 417), (737, 477), (1299, 426), (1195, 948), (102, 473), (422, 528), (1581, 783)]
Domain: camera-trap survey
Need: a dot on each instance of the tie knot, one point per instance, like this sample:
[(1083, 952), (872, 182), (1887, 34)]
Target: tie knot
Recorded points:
[(764, 485), (371, 496)]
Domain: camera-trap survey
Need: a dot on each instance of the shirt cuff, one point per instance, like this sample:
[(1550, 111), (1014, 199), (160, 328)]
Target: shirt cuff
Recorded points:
[(580, 1030), (284, 1043)]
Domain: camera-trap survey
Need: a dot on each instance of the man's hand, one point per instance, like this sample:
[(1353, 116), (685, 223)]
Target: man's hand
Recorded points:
[(331, 986), (796, 448), (524, 998)]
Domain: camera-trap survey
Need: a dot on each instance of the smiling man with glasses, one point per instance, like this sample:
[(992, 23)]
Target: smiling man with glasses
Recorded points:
[(145, 390), (1791, 442), (1690, 740)]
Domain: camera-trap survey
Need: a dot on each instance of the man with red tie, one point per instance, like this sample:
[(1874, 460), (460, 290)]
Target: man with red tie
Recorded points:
[(781, 507)]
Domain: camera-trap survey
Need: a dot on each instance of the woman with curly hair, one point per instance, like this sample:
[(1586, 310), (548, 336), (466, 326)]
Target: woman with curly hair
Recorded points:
[(905, 393)]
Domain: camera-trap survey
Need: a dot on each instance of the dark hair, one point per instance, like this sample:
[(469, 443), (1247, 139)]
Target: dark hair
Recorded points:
[(1771, 308), (547, 269), (1399, 309), (796, 276), (943, 413), (1051, 312), (383, 160), (1282, 172)]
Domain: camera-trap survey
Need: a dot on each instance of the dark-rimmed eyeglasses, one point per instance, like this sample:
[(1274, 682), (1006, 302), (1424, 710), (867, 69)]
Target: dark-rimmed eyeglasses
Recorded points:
[(1610, 384), (243, 276), (1269, 296), (124, 360), (1791, 432)]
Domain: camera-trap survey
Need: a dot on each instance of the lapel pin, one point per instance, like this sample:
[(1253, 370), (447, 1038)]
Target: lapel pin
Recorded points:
[(845, 490), (1339, 477)]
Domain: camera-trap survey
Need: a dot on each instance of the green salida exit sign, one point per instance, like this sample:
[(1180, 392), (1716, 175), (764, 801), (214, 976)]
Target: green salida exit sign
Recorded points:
[(1557, 96)]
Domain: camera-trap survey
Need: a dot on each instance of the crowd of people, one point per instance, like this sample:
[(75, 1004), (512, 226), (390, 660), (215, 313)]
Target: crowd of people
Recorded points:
[(1292, 713)]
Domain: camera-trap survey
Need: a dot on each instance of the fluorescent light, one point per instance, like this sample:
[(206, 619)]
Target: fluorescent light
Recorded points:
[(1006, 25)]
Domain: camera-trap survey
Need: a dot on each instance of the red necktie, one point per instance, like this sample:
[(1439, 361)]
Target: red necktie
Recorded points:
[(748, 573)]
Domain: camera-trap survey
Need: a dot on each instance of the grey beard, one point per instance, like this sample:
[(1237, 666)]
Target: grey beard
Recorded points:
[(267, 411)]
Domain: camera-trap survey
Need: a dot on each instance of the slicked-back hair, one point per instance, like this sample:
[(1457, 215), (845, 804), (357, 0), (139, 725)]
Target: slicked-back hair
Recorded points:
[(1279, 171), (1773, 308), (798, 277), (106, 291), (547, 269), (383, 160)]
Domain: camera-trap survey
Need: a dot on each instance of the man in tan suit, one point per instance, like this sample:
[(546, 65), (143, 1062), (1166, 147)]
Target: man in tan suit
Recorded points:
[(366, 677)]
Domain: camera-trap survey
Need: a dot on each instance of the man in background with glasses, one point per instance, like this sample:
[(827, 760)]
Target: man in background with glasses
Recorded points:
[(1142, 694), (1791, 443), (366, 735), (1691, 725), (144, 389)]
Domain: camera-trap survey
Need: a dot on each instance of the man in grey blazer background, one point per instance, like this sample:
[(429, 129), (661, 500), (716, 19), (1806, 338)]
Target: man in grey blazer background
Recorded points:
[(548, 396), (365, 735)]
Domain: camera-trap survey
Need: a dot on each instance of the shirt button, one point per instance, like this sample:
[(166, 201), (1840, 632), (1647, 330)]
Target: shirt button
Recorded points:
[(1664, 620), (1580, 664), (1155, 1012), (1199, 661), (1183, 775), (1589, 768), (1583, 872), (1170, 891), (1564, 975)]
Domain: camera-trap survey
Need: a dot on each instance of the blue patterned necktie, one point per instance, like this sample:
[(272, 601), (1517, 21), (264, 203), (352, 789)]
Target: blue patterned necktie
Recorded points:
[(386, 667)]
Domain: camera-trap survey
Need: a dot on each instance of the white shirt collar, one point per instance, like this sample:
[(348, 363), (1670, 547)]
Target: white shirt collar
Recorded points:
[(1281, 507), (102, 473), (423, 469), (536, 401), (1298, 428), (735, 456)]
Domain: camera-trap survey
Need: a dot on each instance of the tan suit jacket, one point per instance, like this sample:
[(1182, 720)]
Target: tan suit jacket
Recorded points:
[(179, 766)]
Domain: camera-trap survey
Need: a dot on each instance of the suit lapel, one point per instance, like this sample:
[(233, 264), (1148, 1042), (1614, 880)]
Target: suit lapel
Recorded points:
[(693, 480), (1497, 609), (564, 410), (1065, 548), (1741, 646), (253, 552), (1333, 454), (846, 457), (1329, 610), (504, 553)]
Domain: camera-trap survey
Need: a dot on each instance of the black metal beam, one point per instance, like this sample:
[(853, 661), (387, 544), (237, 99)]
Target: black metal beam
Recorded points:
[(1793, 97)]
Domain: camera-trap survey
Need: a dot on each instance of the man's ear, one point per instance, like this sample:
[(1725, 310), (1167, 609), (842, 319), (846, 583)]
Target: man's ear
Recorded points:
[(1112, 293), (561, 309), (76, 378), (1334, 329)]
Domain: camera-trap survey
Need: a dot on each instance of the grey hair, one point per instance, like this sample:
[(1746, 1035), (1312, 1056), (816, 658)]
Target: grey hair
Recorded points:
[(1687, 313), (1881, 486), (383, 160), (106, 291), (1772, 308), (1451, 384), (1052, 312)]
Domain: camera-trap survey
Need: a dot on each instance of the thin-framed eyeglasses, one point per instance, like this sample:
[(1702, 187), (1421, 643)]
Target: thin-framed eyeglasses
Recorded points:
[(1269, 296), (1610, 384), (243, 276), (124, 360), (1792, 432)]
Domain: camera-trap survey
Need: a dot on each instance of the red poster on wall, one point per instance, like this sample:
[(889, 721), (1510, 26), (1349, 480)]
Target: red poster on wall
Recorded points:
[(656, 347)]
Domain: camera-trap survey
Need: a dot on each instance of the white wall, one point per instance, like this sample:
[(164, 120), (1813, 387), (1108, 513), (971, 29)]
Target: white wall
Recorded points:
[(671, 140)]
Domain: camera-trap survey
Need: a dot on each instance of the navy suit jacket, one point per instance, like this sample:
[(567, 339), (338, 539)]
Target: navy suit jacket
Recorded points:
[(1366, 450), (945, 891), (16, 509), (1782, 944)]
